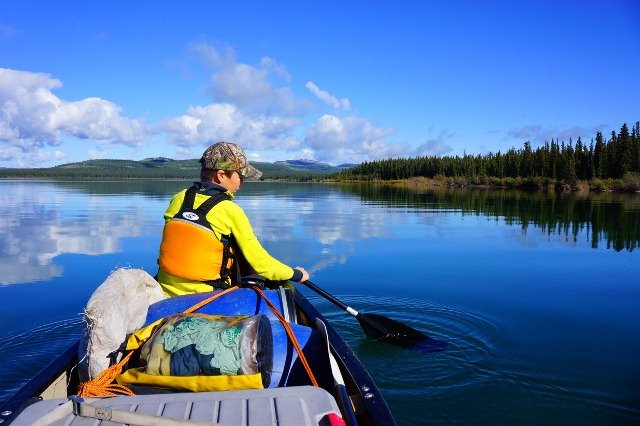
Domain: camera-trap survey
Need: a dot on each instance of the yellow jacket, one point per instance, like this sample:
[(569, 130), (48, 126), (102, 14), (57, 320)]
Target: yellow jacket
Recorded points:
[(226, 218)]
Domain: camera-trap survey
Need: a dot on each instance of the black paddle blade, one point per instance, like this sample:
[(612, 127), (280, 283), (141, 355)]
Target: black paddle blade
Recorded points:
[(385, 329), (381, 327), (391, 331)]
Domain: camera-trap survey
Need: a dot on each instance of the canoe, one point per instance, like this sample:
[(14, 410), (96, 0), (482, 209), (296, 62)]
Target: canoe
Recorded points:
[(345, 393)]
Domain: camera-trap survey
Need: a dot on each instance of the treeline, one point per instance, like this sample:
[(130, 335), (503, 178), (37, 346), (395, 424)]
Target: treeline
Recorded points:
[(155, 168), (602, 158), (87, 174), (111, 169)]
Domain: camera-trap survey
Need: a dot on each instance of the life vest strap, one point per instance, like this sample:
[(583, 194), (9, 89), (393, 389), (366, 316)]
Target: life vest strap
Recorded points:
[(188, 204)]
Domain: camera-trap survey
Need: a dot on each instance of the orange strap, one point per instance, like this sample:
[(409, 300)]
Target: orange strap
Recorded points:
[(209, 300), (104, 383), (290, 333)]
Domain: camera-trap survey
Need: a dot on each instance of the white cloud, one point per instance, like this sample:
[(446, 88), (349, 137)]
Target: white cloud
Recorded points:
[(185, 152), (210, 55), (26, 108), (204, 125), (538, 134), (350, 139), (255, 89), (96, 154), (34, 158), (328, 98), (253, 105), (241, 83), (434, 147), (278, 69), (32, 117), (254, 108), (97, 119)]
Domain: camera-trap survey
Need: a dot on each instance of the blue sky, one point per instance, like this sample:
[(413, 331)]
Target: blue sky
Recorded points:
[(334, 81)]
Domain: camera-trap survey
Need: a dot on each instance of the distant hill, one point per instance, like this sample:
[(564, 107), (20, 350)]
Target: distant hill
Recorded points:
[(162, 167), (344, 166), (309, 165), (315, 165)]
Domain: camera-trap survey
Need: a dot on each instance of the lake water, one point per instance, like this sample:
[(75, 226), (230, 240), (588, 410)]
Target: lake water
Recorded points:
[(538, 295)]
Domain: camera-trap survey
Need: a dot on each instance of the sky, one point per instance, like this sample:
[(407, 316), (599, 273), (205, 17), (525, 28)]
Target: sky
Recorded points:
[(332, 81)]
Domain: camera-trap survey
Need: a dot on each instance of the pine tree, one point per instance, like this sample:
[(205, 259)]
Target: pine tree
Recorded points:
[(527, 167), (600, 157), (627, 153)]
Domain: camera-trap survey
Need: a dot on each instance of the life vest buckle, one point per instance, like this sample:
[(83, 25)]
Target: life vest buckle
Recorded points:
[(220, 284), (254, 280)]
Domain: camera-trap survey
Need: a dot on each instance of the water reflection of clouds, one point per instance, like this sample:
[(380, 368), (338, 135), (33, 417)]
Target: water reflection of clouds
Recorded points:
[(327, 220), (41, 224), (334, 223)]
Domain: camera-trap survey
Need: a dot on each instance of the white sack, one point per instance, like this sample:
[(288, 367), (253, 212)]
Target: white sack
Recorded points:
[(118, 307)]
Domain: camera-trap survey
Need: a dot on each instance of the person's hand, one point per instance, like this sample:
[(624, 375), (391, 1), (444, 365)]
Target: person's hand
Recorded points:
[(305, 274)]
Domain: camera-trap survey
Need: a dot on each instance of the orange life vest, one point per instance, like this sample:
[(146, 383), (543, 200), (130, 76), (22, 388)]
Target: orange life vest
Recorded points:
[(189, 247)]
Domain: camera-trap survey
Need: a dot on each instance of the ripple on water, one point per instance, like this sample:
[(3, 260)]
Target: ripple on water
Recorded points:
[(26, 353), (470, 337), (409, 379), (478, 379)]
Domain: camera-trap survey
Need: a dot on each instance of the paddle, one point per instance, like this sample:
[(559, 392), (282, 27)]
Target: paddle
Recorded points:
[(385, 329)]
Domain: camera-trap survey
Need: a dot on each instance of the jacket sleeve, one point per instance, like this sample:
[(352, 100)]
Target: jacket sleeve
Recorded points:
[(259, 259)]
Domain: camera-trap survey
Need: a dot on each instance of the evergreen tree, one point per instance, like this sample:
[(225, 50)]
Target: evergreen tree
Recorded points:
[(600, 157), (635, 137), (527, 168), (628, 157), (554, 158), (614, 157)]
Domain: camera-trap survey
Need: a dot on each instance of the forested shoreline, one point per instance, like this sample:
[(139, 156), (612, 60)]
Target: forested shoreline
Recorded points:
[(611, 163), (156, 168), (603, 164)]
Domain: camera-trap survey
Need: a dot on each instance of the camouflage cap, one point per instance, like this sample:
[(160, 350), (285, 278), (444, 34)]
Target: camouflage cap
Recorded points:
[(228, 156)]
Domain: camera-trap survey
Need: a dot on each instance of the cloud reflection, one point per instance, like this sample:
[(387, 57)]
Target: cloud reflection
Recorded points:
[(42, 223), (46, 220), (317, 232), (316, 226)]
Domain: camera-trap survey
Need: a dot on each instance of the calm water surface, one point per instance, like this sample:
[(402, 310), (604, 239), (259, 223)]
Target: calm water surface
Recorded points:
[(537, 294)]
